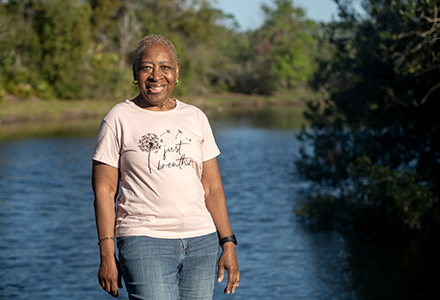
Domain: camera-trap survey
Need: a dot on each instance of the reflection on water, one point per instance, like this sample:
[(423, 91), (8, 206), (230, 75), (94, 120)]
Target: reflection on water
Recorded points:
[(59, 128), (283, 117), (48, 239), (289, 117), (400, 270)]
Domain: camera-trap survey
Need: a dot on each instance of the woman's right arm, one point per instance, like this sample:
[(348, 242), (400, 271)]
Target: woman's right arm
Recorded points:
[(105, 184)]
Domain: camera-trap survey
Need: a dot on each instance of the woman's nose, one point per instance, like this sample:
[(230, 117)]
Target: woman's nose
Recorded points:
[(156, 74)]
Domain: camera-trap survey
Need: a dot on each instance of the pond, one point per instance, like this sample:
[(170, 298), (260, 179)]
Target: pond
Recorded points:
[(48, 238)]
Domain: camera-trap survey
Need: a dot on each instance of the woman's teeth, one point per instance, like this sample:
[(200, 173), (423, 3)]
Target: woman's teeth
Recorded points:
[(156, 89)]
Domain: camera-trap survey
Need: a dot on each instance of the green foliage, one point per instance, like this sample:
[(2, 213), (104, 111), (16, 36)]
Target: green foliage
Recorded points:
[(45, 47), (83, 49), (383, 81), (18, 50), (398, 198), (63, 39), (378, 198), (278, 55), (289, 33)]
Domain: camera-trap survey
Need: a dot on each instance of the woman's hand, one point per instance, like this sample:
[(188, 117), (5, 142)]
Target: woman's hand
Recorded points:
[(228, 261), (216, 204), (109, 276)]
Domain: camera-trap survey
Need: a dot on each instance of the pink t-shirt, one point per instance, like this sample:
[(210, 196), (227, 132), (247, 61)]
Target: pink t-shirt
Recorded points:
[(160, 157)]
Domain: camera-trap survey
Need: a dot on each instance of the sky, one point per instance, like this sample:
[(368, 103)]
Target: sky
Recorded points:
[(249, 15)]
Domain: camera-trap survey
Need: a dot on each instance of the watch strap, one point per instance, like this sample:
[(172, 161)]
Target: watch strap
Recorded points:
[(230, 238)]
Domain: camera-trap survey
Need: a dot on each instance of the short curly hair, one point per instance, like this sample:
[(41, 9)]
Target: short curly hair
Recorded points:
[(154, 39)]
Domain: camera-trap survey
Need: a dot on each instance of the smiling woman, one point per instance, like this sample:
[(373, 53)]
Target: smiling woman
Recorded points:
[(172, 209), (156, 71)]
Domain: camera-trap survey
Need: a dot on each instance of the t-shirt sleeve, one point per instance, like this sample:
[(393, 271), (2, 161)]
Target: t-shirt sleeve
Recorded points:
[(107, 146), (209, 146)]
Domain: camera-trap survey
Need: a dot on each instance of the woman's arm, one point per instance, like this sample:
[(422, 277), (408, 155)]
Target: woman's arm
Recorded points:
[(105, 184), (216, 205)]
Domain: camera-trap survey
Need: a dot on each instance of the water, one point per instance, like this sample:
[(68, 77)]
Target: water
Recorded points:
[(48, 238)]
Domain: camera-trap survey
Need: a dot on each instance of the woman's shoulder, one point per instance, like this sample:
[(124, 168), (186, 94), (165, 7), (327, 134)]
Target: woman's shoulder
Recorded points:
[(118, 110), (190, 108)]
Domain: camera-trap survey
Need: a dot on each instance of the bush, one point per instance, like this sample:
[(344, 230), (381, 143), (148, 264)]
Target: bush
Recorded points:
[(376, 198)]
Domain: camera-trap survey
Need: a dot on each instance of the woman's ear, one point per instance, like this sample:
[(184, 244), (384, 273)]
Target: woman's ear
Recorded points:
[(177, 69)]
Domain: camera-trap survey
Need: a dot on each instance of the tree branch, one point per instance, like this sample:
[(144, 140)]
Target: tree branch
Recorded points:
[(429, 93)]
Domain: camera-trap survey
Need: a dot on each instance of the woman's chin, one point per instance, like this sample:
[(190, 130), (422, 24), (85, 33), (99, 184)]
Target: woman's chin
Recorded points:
[(159, 101)]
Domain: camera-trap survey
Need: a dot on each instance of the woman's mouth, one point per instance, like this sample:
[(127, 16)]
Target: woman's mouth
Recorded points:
[(155, 89)]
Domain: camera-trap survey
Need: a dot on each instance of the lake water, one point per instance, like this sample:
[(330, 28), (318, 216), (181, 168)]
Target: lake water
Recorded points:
[(48, 238)]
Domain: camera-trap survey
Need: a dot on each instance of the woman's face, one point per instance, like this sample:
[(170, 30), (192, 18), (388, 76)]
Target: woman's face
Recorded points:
[(156, 74)]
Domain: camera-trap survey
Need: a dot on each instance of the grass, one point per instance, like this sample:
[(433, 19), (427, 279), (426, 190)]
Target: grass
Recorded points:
[(45, 110), (20, 111)]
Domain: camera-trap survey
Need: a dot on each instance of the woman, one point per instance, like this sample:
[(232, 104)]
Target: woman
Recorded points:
[(172, 209)]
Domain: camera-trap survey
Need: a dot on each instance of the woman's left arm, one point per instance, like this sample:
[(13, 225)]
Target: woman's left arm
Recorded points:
[(216, 204)]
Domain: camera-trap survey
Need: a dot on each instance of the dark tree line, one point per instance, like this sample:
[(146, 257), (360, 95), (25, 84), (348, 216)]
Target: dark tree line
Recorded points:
[(376, 140)]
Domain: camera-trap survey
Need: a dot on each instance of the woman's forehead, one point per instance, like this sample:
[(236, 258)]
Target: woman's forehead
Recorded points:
[(158, 50)]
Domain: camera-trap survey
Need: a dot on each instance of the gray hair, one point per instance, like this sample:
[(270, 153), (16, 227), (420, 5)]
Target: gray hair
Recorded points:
[(154, 39)]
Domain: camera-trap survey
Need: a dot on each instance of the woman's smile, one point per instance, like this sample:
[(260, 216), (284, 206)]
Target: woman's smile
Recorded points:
[(156, 89), (156, 73)]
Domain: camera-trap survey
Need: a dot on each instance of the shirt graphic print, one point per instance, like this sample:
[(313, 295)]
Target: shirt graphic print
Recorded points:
[(152, 143)]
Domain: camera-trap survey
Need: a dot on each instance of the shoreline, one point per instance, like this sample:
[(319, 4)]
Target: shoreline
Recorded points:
[(35, 110)]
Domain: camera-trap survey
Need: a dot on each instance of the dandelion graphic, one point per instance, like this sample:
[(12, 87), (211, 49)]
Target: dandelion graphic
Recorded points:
[(178, 132), (148, 143), (167, 131)]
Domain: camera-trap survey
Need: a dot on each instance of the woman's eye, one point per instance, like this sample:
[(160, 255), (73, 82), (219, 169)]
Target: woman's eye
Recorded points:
[(146, 68), (149, 69)]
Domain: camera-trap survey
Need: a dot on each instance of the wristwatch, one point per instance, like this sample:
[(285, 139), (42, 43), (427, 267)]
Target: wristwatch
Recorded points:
[(230, 238)]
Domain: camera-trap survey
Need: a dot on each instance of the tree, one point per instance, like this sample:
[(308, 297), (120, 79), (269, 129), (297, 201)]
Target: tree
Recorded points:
[(281, 51), (45, 46), (381, 116), (63, 36), (19, 52)]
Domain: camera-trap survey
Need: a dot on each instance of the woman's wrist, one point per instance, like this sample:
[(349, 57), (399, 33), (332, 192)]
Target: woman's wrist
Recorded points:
[(228, 247), (107, 255), (110, 238), (228, 240), (107, 249)]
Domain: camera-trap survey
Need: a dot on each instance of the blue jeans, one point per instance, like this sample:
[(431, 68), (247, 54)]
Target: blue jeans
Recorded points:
[(169, 269)]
